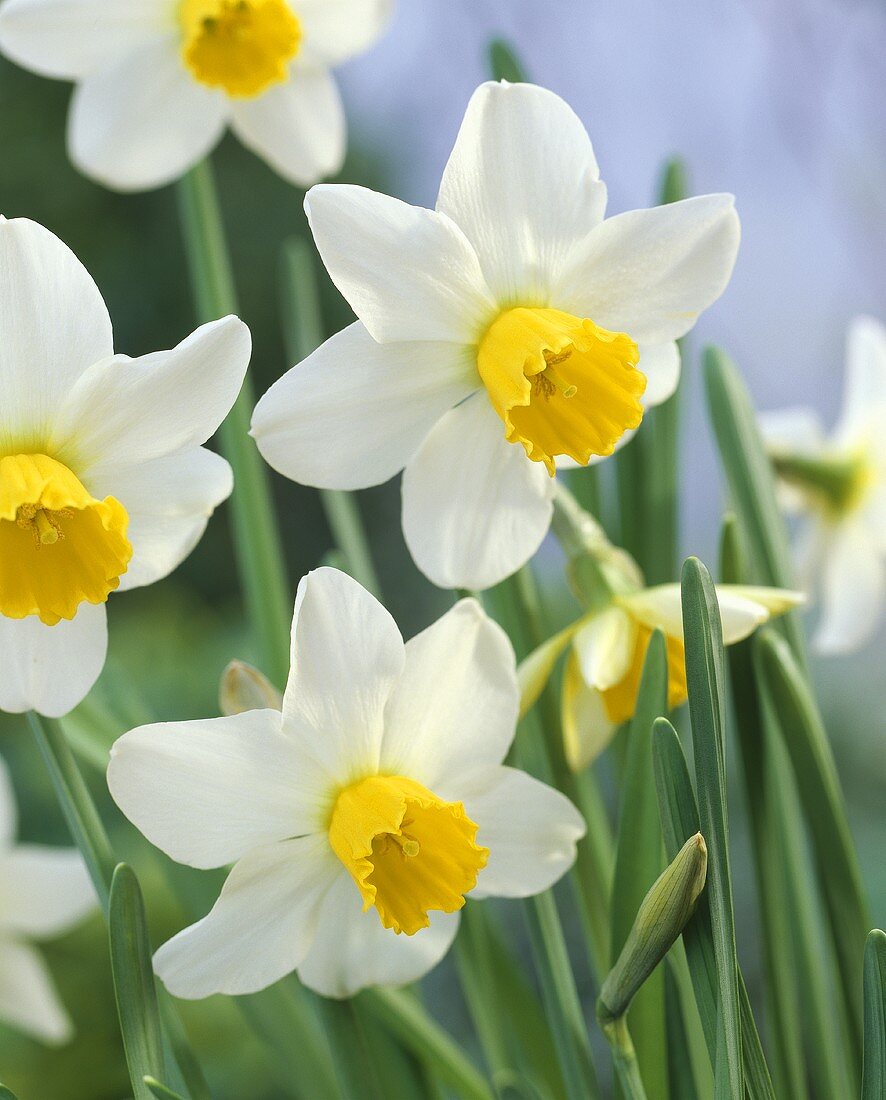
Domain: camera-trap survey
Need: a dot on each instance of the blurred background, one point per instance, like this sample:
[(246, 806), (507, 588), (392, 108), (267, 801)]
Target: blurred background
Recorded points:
[(779, 102)]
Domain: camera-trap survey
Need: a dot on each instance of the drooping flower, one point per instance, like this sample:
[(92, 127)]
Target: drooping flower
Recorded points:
[(46, 892), (836, 486), (158, 81), (509, 329), (360, 816), (608, 648), (104, 484)]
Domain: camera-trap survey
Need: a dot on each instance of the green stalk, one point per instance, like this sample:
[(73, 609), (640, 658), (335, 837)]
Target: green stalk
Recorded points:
[(545, 756), (405, 1017), (560, 997), (90, 836), (625, 1058), (639, 862), (356, 1074), (260, 559), (76, 804), (647, 468), (592, 873), (304, 332)]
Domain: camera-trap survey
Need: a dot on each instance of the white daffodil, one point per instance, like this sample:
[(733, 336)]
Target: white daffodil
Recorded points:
[(511, 327), (836, 485), (359, 817), (103, 482), (43, 893), (158, 81), (608, 649)]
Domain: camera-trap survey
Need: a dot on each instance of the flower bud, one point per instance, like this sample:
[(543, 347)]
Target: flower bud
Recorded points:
[(660, 919), (244, 688)]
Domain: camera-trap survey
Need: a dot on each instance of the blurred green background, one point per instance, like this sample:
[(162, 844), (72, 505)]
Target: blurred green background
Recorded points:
[(170, 644)]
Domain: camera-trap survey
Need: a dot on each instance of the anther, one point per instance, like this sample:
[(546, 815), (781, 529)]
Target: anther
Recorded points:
[(408, 845)]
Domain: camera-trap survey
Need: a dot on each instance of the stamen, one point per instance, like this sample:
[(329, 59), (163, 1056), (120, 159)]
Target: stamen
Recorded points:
[(408, 845)]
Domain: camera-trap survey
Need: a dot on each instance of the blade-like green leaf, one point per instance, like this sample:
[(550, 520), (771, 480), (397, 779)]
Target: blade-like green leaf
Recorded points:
[(785, 1017), (680, 820), (161, 1092), (7, 1094), (819, 787), (874, 1081), (751, 484), (639, 862), (705, 679), (504, 63), (134, 986)]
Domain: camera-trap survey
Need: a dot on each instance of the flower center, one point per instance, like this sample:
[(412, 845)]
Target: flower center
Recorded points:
[(620, 700), (58, 545), (241, 46), (838, 482), (408, 851), (562, 385)]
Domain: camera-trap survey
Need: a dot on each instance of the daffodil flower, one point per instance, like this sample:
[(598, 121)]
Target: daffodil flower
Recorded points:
[(359, 817), (608, 648), (158, 81), (836, 486), (104, 484), (509, 329), (45, 892)]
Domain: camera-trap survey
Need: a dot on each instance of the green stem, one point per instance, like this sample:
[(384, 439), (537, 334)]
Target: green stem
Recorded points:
[(91, 838), (625, 1058), (260, 560), (76, 804), (594, 862), (405, 1017), (304, 331), (560, 997), (356, 1072)]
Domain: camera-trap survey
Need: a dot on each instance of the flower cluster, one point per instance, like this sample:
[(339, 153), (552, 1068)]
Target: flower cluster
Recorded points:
[(511, 332)]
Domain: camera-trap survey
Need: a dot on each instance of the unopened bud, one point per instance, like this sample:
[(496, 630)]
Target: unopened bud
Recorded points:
[(660, 919), (244, 688)]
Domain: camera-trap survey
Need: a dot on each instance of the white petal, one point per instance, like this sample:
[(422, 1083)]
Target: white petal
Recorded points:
[(651, 272), (796, 430), (742, 608), (454, 710), (46, 890), (475, 508), (261, 926), (587, 728), (338, 29), (28, 998), (8, 807), (530, 830), (605, 647), (207, 792), (872, 514), (143, 121), (50, 669), (535, 670), (523, 184), (169, 502), (661, 365), (70, 39), (298, 127), (864, 398), (354, 413), (408, 273), (123, 411), (51, 314), (853, 591), (347, 654), (353, 950)]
